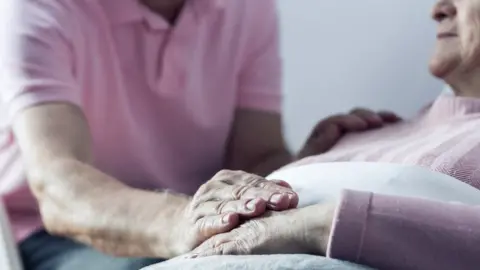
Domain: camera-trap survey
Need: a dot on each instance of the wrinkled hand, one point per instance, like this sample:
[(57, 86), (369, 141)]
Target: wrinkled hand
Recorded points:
[(330, 130), (230, 196), (304, 230)]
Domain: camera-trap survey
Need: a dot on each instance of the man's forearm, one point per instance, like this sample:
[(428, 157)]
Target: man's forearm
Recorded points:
[(271, 162), (82, 203)]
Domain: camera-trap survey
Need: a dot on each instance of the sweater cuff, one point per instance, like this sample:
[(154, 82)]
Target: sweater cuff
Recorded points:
[(349, 226)]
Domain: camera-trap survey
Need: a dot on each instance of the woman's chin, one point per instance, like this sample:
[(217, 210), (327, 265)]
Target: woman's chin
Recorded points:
[(440, 70)]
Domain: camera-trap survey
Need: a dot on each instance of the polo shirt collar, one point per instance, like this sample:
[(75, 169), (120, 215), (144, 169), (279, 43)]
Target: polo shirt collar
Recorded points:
[(120, 12)]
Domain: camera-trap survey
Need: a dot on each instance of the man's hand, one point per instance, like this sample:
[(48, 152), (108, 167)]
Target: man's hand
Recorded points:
[(77, 200), (220, 205), (330, 130), (305, 230)]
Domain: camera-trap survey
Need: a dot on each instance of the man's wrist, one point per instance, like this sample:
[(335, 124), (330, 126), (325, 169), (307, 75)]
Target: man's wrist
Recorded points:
[(168, 233)]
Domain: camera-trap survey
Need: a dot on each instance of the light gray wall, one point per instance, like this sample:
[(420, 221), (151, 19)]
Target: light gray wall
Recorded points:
[(345, 53)]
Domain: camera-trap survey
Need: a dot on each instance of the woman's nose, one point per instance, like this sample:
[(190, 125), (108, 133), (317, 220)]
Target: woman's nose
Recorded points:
[(444, 9)]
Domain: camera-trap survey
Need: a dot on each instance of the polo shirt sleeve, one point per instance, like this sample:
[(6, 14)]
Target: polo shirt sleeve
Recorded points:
[(38, 65), (260, 75)]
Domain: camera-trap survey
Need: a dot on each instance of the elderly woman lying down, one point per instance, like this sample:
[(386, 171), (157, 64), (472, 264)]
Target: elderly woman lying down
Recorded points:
[(385, 231)]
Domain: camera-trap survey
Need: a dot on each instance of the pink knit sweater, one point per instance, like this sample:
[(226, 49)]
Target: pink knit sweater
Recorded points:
[(388, 232)]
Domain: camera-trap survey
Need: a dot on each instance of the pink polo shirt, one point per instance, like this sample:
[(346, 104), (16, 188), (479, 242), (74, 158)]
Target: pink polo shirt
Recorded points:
[(159, 99)]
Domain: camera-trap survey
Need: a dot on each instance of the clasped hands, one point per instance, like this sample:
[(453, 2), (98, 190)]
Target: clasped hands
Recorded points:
[(240, 213)]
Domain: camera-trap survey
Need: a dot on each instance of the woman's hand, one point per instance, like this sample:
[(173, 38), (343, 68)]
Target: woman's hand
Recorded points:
[(305, 230), (330, 130), (220, 205)]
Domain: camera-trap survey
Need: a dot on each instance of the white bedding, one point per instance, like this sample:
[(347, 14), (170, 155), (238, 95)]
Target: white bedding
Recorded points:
[(318, 183), (270, 262)]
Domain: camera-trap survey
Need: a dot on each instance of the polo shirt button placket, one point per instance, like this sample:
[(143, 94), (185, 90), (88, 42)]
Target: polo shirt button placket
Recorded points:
[(179, 53)]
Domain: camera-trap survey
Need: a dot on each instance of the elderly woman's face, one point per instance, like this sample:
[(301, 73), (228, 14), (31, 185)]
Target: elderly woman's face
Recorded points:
[(458, 37)]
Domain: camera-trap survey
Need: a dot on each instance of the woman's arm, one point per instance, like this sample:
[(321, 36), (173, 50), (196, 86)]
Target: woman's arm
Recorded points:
[(389, 232), (383, 232)]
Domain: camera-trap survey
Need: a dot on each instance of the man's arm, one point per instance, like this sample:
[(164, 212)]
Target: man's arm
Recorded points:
[(78, 201), (38, 88), (43, 97), (256, 143)]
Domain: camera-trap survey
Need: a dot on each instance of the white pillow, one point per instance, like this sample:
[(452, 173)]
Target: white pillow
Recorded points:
[(323, 182)]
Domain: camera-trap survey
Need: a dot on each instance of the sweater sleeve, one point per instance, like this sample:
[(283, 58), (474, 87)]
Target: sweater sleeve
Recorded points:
[(389, 232)]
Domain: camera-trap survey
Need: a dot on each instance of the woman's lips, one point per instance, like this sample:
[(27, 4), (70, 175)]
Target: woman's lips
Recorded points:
[(446, 35)]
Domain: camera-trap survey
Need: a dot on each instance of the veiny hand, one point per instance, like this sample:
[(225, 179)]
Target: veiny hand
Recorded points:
[(305, 230), (222, 203), (330, 130)]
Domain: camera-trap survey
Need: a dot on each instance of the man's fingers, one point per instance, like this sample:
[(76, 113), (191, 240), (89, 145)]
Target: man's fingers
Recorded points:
[(323, 142), (347, 123), (372, 118), (213, 225), (245, 207), (243, 186), (389, 117), (376, 119), (277, 197), (327, 132)]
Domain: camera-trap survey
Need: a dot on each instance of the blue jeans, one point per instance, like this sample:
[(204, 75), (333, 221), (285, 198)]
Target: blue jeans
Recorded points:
[(42, 251)]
